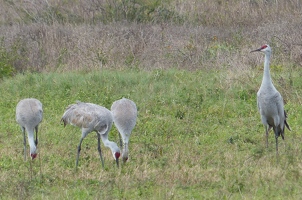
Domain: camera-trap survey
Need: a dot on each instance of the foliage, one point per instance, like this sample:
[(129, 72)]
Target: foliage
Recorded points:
[(198, 135), (7, 59), (52, 36), (139, 11)]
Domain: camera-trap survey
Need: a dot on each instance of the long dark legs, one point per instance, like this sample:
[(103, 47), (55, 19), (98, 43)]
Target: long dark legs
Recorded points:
[(277, 134), (24, 142), (99, 149), (277, 145), (79, 150), (277, 153), (266, 135)]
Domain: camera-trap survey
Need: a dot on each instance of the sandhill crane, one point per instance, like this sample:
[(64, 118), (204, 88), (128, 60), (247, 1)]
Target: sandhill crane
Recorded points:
[(124, 113), (29, 114), (91, 117), (270, 102)]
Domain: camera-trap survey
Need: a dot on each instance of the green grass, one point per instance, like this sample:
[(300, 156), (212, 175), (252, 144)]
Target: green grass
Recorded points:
[(198, 136), (187, 66)]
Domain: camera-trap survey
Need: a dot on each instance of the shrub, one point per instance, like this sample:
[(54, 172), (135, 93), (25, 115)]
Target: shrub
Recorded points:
[(7, 59)]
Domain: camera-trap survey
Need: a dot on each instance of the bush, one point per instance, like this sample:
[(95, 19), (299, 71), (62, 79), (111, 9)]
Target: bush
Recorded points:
[(139, 11), (7, 59)]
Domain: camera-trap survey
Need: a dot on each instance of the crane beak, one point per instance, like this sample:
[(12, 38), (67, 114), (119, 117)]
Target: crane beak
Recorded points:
[(256, 50), (117, 162)]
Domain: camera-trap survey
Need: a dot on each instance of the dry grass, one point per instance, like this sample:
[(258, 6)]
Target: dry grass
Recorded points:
[(212, 34)]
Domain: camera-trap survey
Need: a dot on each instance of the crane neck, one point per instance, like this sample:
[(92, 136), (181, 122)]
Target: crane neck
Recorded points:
[(266, 74), (112, 145), (31, 142), (105, 140), (125, 150)]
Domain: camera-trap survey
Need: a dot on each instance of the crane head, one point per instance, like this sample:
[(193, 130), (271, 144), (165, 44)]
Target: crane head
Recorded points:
[(33, 155), (265, 48), (115, 150), (125, 159), (117, 155)]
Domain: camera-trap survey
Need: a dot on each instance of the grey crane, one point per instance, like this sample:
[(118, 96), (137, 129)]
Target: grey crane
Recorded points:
[(29, 114), (270, 102), (91, 117), (124, 113)]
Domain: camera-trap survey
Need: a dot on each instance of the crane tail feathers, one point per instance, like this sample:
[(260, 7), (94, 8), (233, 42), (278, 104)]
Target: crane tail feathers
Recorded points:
[(285, 122), (68, 112), (64, 121), (282, 134), (287, 126)]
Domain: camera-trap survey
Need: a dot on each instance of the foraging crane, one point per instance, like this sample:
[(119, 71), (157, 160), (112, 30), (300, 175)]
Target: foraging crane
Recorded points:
[(270, 101), (29, 114), (124, 113), (91, 117)]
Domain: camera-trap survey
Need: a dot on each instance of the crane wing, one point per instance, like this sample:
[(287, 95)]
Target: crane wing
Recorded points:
[(78, 115), (286, 124), (281, 112), (279, 104)]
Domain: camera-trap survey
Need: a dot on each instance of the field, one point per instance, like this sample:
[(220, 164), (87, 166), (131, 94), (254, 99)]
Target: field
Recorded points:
[(187, 66)]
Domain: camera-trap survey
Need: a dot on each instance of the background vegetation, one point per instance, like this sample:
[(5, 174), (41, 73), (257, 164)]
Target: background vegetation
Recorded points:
[(187, 66)]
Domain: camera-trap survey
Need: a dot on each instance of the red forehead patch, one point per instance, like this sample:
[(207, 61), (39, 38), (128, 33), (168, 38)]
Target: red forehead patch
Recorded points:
[(264, 46), (33, 156), (117, 155)]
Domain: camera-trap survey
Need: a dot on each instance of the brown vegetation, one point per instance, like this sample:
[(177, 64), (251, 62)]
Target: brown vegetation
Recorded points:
[(63, 35)]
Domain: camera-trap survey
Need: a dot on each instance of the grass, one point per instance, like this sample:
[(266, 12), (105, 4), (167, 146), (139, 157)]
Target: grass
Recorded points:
[(198, 136), (187, 66)]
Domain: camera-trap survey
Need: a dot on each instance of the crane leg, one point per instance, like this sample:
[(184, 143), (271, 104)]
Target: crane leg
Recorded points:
[(24, 142), (99, 149), (79, 150), (36, 141), (266, 135), (277, 153), (277, 145)]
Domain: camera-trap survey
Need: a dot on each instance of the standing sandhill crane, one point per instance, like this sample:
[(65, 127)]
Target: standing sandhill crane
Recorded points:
[(124, 113), (270, 102), (91, 117), (29, 114)]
